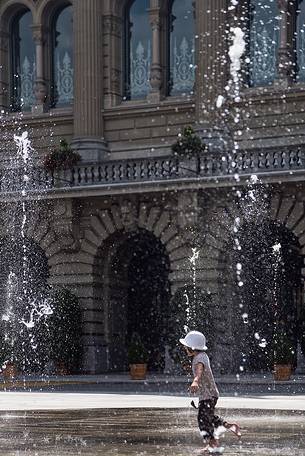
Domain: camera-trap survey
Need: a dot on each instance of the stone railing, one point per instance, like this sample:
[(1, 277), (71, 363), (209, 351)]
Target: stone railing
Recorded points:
[(266, 164)]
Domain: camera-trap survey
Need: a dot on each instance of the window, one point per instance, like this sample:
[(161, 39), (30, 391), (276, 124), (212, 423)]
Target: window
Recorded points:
[(23, 71), (182, 47), (300, 42), (264, 42), (138, 36), (62, 58)]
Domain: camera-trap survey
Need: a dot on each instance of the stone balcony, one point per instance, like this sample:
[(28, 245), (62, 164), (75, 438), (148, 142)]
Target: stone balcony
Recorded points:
[(157, 174)]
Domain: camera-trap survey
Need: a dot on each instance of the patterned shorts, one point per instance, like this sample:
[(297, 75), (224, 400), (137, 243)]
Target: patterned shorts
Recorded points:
[(207, 420)]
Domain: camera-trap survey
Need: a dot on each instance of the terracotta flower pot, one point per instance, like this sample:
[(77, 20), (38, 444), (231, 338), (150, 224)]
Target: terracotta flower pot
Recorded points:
[(282, 372), (10, 371), (138, 371)]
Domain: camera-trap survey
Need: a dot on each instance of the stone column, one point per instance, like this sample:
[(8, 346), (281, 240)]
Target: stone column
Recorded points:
[(156, 67), (285, 60), (112, 31), (88, 81), (4, 79), (40, 88), (211, 58)]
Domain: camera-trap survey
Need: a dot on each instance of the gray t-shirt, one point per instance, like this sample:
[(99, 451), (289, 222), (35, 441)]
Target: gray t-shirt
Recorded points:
[(207, 386)]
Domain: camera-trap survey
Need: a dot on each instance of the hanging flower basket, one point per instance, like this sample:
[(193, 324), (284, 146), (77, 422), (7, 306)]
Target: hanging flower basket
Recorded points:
[(62, 158)]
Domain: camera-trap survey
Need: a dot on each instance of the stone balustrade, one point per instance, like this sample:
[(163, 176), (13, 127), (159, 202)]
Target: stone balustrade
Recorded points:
[(208, 170)]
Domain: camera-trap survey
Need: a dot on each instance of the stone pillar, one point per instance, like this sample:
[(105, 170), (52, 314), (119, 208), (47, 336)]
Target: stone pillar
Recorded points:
[(211, 58), (285, 60), (40, 88), (88, 81), (4, 74), (156, 67), (112, 31)]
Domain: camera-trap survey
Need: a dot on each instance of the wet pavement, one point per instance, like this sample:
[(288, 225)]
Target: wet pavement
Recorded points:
[(144, 432)]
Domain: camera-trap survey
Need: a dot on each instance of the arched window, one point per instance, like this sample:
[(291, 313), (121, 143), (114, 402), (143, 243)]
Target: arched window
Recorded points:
[(264, 42), (181, 47), (138, 38), (62, 58), (23, 72), (300, 42)]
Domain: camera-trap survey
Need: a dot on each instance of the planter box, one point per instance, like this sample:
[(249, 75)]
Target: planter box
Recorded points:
[(138, 371), (282, 372)]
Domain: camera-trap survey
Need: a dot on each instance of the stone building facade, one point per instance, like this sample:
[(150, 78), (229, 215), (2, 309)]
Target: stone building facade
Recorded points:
[(120, 228)]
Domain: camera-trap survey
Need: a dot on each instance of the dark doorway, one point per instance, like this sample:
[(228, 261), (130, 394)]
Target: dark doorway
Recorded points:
[(139, 294), (268, 299)]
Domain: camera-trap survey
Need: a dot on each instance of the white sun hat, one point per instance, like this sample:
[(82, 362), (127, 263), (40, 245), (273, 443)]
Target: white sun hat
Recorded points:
[(194, 340)]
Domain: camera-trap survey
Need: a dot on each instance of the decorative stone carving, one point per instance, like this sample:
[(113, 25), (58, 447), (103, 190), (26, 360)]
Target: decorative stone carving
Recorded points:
[(40, 91), (129, 215), (66, 224), (155, 77), (40, 88), (112, 25)]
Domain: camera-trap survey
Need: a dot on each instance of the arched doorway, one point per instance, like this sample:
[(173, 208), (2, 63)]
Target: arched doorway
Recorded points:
[(136, 294), (268, 294), (23, 283)]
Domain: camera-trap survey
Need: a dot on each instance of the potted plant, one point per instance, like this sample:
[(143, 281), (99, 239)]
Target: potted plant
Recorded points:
[(65, 330), (284, 354), (61, 158), (137, 358), (190, 147)]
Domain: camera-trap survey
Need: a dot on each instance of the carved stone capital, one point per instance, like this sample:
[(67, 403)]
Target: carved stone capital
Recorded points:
[(66, 224), (39, 34), (154, 19)]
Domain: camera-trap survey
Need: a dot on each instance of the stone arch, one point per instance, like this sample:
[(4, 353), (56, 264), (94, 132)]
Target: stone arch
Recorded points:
[(146, 216), (290, 212), (122, 219), (47, 8), (284, 210), (11, 8)]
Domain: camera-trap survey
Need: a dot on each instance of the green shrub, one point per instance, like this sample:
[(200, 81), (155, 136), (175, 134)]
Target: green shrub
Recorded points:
[(284, 350), (188, 144), (62, 158), (65, 329), (137, 353)]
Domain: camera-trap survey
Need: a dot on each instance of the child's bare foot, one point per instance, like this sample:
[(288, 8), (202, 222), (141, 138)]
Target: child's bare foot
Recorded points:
[(235, 429)]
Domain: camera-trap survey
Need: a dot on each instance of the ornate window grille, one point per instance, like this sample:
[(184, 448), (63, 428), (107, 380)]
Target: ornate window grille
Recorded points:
[(138, 38), (300, 42), (182, 47), (264, 42), (62, 86), (23, 67)]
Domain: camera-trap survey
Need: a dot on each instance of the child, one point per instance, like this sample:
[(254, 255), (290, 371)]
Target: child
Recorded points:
[(204, 385)]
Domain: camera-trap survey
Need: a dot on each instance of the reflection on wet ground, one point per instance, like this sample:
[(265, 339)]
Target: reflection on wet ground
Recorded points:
[(142, 432)]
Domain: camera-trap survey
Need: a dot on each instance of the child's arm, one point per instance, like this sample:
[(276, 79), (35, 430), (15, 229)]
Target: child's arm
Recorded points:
[(198, 377)]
